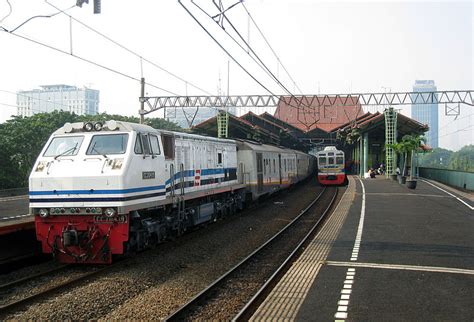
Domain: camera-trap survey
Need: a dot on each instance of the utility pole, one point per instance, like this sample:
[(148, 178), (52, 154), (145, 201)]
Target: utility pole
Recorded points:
[(142, 100)]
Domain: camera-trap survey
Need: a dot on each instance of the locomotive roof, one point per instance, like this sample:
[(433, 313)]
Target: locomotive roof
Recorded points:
[(128, 126)]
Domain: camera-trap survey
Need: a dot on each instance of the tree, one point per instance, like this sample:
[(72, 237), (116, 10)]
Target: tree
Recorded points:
[(437, 158), (411, 144), (23, 138), (463, 160)]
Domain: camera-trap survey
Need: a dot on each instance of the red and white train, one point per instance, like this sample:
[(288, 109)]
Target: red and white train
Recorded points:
[(331, 166)]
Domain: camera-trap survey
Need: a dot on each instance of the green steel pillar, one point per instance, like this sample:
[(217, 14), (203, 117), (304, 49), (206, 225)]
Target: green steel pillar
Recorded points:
[(366, 152)]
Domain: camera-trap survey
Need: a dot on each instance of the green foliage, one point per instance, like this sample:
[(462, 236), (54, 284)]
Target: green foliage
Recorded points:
[(437, 158), (463, 160), (22, 138)]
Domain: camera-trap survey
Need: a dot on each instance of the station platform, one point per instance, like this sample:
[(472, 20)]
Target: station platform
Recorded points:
[(387, 253), (14, 215)]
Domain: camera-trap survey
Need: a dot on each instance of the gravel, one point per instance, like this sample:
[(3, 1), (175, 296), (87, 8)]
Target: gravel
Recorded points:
[(156, 282)]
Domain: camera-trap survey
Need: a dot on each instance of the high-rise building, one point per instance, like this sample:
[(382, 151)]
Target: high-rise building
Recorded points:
[(194, 115), (426, 113), (50, 98)]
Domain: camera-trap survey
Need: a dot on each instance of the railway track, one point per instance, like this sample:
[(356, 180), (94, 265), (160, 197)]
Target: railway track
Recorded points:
[(41, 285), (239, 291)]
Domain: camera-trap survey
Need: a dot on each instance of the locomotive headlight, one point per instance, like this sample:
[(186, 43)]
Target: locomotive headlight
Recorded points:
[(98, 126), (110, 212), (41, 166), (43, 213), (117, 164), (88, 126)]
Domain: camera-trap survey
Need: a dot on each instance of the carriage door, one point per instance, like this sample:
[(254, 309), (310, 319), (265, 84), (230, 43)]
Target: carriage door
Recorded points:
[(279, 167), (259, 172)]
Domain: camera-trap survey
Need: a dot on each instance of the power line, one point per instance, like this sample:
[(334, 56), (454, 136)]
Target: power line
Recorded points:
[(273, 51), (457, 119), (9, 12), (460, 130), (130, 51), (88, 61), (222, 47)]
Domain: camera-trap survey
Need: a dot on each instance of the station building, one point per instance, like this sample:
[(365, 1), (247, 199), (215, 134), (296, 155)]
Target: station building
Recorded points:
[(362, 136)]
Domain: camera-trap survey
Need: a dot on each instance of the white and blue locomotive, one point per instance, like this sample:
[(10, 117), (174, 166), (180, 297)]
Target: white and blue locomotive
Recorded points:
[(105, 188)]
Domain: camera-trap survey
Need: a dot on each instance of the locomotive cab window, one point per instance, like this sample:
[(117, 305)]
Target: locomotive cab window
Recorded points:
[(67, 145), (108, 144), (322, 160), (339, 160), (155, 145)]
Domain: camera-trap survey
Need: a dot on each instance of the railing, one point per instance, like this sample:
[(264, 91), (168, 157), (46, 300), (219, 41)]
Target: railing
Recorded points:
[(454, 178), (13, 192)]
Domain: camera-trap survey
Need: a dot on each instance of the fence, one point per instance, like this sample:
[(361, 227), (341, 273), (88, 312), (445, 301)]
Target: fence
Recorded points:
[(13, 192), (459, 179)]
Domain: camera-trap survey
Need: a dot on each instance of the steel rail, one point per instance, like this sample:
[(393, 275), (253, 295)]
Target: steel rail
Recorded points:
[(56, 288), (259, 297), (180, 314)]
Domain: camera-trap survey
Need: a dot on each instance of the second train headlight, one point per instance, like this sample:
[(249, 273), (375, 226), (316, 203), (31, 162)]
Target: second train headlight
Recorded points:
[(110, 212)]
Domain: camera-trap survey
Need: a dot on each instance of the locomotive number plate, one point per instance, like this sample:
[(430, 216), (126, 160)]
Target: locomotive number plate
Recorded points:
[(119, 219), (148, 175)]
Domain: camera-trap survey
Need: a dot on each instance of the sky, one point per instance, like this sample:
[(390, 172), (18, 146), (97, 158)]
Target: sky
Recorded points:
[(316, 47)]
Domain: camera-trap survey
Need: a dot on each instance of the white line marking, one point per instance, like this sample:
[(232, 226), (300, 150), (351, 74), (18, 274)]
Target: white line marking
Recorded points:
[(343, 302), (341, 315), (449, 193), (342, 308), (345, 297), (346, 291), (433, 269), (14, 217)]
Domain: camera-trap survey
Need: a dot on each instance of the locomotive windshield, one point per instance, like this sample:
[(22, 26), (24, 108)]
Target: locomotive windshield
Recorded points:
[(108, 144), (66, 145)]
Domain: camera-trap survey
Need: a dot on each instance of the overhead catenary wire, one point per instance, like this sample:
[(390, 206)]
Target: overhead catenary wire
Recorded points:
[(225, 50), (9, 11), (89, 61), (271, 48), (130, 50)]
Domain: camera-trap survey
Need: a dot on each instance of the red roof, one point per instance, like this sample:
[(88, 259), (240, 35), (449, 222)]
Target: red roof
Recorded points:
[(323, 112)]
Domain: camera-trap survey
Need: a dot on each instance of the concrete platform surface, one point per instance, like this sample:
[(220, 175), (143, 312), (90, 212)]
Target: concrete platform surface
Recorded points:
[(399, 255)]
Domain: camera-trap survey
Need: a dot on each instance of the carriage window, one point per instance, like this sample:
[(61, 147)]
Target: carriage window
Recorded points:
[(330, 160), (322, 160), (155, 145), (219, 158), (67, 145), (274, 167), (108, 144), (168, 146), (339, 160)]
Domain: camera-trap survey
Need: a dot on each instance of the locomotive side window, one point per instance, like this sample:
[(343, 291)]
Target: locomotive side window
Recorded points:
[(155, 145), (108, 144), (168, 146), (145, 144), (67, 145), (138, 145), (219, 158)]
